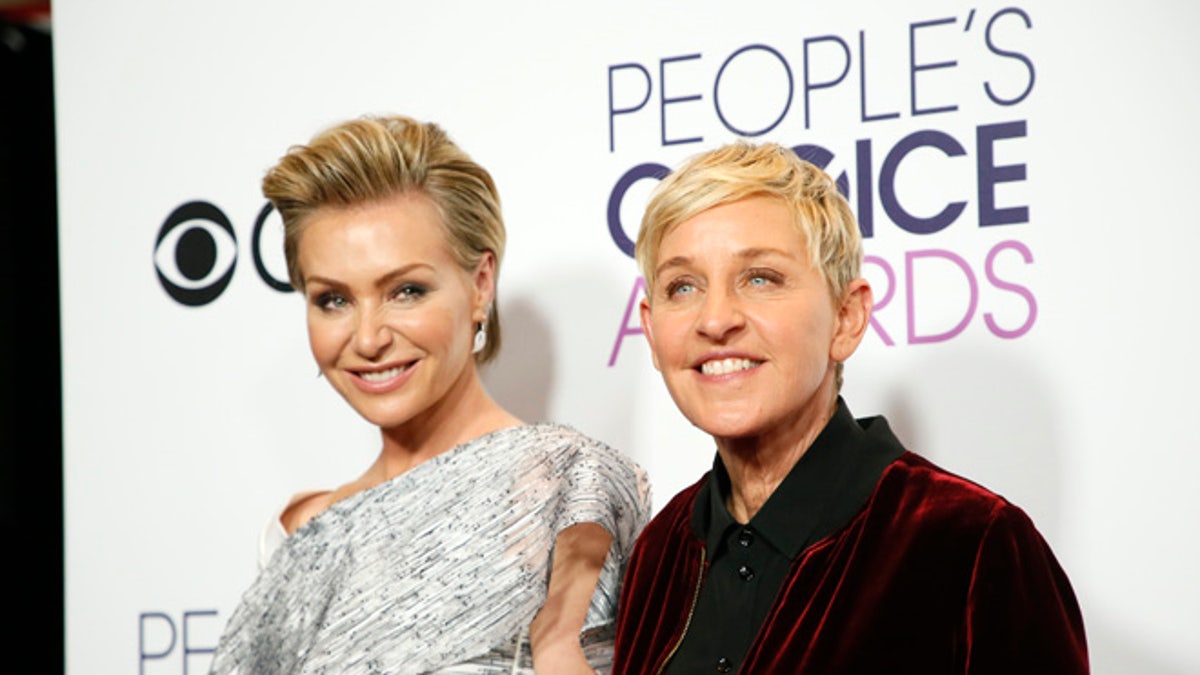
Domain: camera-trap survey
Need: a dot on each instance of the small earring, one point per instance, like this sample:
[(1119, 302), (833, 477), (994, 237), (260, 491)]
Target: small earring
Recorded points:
[(480, 339)]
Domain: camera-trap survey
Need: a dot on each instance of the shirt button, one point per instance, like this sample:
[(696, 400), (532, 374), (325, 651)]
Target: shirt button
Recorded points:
[(723, 665), (746, 537), (745, 573)]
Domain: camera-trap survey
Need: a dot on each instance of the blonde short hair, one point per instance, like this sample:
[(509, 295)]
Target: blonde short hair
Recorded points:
[(373, 158), (740, 170)]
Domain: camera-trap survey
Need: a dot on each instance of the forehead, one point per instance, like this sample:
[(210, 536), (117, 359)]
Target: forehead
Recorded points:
[(402, 226), (753, 223)]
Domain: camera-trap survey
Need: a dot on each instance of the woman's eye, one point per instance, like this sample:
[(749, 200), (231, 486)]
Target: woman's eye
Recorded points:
[(409, 292), (759, 279), (330, 301), (676, 288)]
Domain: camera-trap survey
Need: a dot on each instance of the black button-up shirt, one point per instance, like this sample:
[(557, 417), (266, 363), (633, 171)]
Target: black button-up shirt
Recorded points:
[(749, 562)]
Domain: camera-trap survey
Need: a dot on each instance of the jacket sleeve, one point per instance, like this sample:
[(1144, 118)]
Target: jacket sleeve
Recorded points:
[(1021, 615)]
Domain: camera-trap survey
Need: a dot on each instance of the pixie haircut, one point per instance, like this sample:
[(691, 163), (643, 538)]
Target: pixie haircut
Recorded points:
[(370, 159), (740, 170)]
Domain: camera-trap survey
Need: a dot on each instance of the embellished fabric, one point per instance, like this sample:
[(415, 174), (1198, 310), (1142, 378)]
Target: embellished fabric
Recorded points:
[(933, 574), (442, 568)]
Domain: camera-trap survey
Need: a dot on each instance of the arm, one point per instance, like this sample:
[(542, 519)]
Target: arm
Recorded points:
[(579, 553), (1022, 615)]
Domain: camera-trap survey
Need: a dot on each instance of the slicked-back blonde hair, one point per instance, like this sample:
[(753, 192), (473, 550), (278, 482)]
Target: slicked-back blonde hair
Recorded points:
[(373, 158), (740, 170)]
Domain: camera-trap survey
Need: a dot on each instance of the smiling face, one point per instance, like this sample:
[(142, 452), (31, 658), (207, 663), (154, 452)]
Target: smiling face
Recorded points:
[(391, 314), (742, 324)]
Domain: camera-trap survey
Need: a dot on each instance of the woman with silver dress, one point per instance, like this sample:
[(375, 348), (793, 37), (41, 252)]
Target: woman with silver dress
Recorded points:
[(474, 543)]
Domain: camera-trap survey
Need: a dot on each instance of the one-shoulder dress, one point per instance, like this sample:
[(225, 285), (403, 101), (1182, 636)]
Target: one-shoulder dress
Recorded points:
[(441, 569)]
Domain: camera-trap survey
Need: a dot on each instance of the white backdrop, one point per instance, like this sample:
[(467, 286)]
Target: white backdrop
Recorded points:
[(1041, 344)]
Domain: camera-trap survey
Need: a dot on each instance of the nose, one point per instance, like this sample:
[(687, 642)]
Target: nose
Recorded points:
[(372, 336), (720, 315)]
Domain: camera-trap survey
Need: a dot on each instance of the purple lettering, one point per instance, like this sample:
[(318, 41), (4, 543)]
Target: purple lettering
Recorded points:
[(809, 84), (887, 296), (625, 329), (989, 174), (791, 90), (911, 290), (666, 100), (989, 270), (887, 182), (614, 111), (915, 67)]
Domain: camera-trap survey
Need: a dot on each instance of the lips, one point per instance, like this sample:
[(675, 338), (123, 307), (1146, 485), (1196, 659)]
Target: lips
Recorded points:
[(382, 375), (727, 365), (383, 379)]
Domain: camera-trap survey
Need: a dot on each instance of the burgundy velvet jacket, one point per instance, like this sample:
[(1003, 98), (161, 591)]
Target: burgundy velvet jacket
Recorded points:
[(934, 575)]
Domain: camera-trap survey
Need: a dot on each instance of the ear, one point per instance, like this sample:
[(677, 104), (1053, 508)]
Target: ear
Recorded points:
[(644, 311), (484, 281), (853, 317)]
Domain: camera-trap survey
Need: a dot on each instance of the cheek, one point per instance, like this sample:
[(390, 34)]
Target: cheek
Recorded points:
[(814, 339), (323, 340), (436, 329), (669, 332)]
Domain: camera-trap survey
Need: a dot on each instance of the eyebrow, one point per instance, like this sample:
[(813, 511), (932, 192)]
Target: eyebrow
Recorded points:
[(385, 280), (744, 254)]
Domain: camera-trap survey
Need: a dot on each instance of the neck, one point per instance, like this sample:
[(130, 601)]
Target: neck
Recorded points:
[(758, 464), (465, 412)]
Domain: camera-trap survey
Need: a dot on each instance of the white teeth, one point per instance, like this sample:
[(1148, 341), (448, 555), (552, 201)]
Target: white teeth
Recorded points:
[(381, 375), (726, 366)]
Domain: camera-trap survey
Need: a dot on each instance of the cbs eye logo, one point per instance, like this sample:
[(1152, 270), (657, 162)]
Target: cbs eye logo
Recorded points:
[(196, 253)]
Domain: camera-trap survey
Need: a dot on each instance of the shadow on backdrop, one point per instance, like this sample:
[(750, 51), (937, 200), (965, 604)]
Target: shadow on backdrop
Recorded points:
[(1114, 652), (541, 352), (1003, 432), (521, 378)]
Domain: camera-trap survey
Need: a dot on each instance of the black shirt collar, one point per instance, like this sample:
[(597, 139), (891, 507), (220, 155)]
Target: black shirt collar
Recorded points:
[(821, 493)]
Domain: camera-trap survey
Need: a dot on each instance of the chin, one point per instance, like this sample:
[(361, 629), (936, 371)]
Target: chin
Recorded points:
[(725, 425), (381, 416)]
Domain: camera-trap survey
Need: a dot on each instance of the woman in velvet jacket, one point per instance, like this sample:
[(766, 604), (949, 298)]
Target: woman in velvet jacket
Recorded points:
[(817, 544)]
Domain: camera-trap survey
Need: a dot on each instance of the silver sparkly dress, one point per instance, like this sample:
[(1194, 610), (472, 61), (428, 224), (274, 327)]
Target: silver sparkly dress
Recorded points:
[(441, 569)]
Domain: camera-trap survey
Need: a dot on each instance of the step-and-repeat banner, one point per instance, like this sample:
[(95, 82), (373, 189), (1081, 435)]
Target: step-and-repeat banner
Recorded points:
[(1021, 171)]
